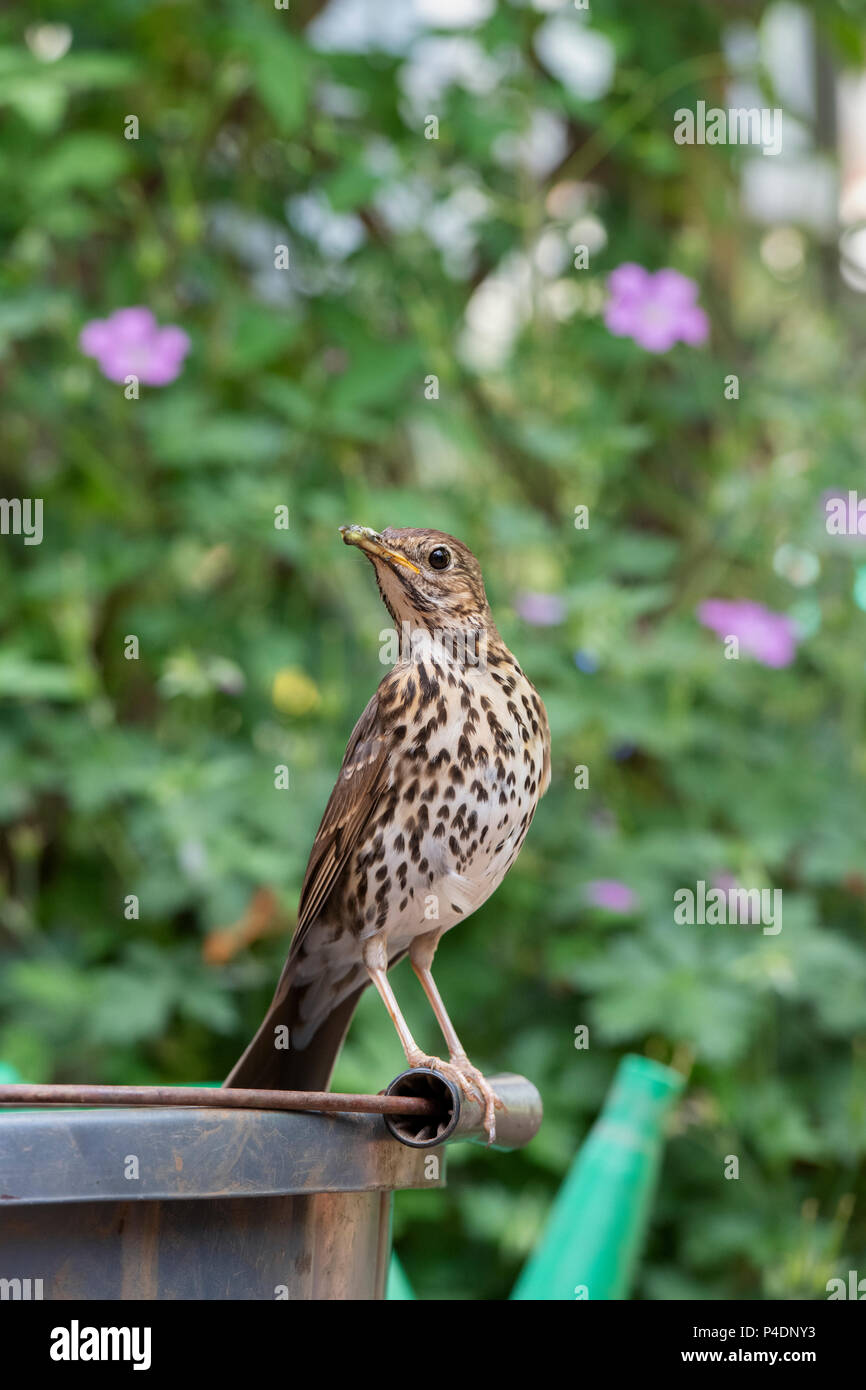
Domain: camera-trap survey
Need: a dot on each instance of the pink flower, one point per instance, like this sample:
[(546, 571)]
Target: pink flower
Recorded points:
[(769, 637), (540, 610), (655, 310), (728, 885), (131, 343), (610, 894)]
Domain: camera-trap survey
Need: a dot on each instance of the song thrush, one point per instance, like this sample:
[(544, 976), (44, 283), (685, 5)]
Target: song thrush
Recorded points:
[(438, 787)]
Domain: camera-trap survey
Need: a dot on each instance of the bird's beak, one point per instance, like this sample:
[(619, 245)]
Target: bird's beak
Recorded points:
[(372, 543)]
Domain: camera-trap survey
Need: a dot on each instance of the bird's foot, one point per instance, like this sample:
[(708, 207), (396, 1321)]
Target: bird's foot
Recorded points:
[(472, 1083)]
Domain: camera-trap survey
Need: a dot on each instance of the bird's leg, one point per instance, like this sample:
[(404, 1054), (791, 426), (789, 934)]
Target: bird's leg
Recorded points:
[(472, 1081), (459, 1070), (376, 961)]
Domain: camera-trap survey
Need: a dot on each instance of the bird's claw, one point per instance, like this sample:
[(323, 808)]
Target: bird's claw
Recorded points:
[(472, 1083)]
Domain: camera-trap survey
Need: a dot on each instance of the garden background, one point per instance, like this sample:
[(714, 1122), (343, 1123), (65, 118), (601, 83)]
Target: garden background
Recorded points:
[(413, 253)]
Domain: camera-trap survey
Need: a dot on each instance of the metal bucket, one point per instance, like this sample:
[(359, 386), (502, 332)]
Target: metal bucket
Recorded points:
[(177, 1203)]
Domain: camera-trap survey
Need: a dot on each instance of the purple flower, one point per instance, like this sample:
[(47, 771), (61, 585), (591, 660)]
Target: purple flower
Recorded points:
[(611, 894), (541, 610), (769, 637), (131, 343), (655, 310), (728, 884), (725, 881)]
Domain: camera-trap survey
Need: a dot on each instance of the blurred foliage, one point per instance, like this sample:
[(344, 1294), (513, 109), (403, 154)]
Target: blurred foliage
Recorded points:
[(258, 646)]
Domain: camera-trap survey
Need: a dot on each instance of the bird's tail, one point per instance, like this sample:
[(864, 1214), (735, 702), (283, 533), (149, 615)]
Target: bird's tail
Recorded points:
[(287, 1053)]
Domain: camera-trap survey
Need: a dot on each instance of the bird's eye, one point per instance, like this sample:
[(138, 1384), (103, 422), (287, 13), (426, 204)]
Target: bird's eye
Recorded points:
[(439, 558)]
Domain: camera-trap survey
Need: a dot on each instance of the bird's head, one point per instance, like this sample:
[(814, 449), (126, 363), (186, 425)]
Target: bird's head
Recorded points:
[(426, 578)]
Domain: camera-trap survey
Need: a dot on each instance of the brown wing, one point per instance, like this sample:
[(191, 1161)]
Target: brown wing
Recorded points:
[(544, 779), (362, 779)]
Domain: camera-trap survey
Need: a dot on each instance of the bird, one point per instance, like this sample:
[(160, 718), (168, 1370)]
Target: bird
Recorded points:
[(438, 787)]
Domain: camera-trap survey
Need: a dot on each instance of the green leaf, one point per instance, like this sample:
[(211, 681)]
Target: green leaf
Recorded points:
[(85, 160), (22, 678), (282, 78)]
